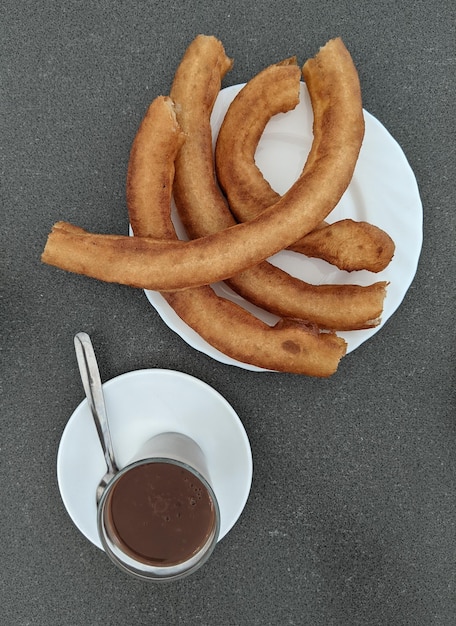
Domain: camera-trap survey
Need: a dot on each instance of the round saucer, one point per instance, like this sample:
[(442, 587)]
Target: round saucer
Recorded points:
[(142, 404)]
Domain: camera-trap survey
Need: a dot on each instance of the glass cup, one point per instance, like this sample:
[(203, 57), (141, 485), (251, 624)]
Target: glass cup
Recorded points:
[(158, 518)]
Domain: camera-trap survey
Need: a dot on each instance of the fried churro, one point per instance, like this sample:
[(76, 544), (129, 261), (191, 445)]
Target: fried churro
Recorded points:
[(347, 244)]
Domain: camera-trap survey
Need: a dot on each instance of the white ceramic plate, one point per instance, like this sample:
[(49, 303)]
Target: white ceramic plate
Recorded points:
[(383, 191), (140, 405)]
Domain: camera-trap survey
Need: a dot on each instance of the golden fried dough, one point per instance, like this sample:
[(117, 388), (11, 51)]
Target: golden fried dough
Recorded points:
[(171, 265), (349, 245), (148, 185), (287, 346)]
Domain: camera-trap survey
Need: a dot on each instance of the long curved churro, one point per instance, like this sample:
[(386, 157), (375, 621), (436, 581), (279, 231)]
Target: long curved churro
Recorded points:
[(171, 265), (288, 346), (347, 244)]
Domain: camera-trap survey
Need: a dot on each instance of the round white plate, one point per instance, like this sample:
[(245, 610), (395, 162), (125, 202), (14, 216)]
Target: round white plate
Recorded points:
[(142, 404), (383, 191)]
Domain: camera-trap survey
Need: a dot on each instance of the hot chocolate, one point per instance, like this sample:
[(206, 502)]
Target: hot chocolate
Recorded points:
[(160, 513)]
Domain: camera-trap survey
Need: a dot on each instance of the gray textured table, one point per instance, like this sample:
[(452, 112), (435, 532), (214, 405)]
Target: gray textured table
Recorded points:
[(352, 513)]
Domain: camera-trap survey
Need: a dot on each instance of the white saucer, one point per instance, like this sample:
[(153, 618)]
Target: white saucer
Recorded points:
[(141, 404)]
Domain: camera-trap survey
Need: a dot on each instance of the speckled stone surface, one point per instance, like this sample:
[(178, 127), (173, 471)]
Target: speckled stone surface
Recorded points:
[(352, 515)]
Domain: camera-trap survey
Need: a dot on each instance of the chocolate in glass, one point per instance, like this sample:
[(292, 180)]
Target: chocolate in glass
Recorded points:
[(160, 513)]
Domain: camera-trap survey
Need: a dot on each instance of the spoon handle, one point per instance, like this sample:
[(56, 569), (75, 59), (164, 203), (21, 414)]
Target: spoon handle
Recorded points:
[(91, 382)]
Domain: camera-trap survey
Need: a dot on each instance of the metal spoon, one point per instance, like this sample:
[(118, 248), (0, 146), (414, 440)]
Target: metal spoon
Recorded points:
[(91, 381)]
